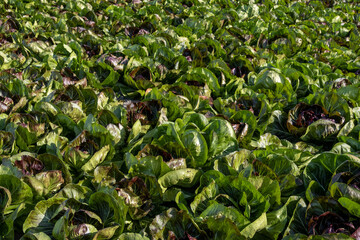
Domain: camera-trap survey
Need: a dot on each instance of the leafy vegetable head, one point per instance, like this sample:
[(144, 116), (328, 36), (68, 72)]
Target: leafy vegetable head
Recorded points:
[(29, 165), (313, 122)]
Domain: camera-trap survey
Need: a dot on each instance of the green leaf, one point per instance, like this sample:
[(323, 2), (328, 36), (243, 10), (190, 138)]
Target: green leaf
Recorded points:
[(257, 225), (5, 199), (339, 189), (178, 222), (60, 228), (220, 137), (276, 222), (224, 229), (266, 140), (135, 132), (273, 80), (106, 233), (206, 76), (152, 166), (186, 177), (351, 206), (196, 146), (216, 210), (6, 142), (24, 138), (248, 196), (132, 236), (74, 191), (297, 221), (7, 224), (36, 236), (40, 219), (72, 109), (20, 191), (270, 189), (109, 208), (322, 166), (96, 159), (196, 118), (201, 200)]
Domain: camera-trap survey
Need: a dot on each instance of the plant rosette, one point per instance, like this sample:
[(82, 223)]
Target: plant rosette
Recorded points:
[(313, 122)]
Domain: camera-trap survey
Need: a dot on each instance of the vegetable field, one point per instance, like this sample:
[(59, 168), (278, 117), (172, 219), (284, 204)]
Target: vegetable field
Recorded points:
[(179, 119)]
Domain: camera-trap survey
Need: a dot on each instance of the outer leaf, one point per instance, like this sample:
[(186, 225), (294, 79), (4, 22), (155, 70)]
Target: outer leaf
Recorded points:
[(20, 191), (257, 225), (40, 218), (132, 236), (196, 146), (351, 206), (186, 177), (97, 159), (106, 233), (109, 208), (216, 210), (74, 191), (224, 229)]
